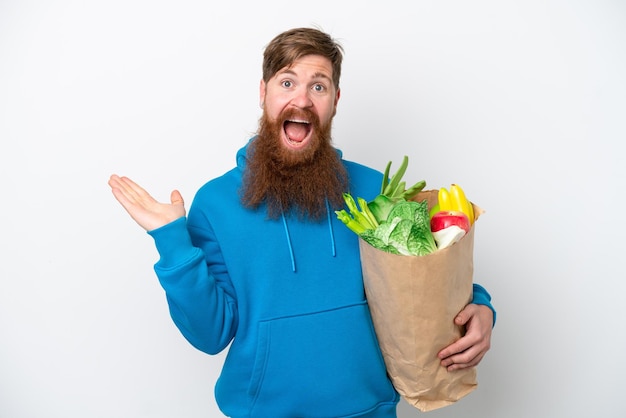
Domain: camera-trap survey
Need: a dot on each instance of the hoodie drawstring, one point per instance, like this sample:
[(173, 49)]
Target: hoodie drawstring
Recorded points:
[(330, 230), (333, 249), (293, 259)]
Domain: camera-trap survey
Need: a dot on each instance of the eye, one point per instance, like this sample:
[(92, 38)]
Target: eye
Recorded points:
[(287, 84), (319, 88)]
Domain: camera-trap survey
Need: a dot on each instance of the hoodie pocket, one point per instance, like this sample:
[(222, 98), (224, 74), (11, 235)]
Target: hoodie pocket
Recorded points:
[(323, 364)]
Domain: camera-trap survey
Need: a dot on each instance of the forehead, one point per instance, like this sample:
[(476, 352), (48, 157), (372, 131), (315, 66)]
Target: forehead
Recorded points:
[(309, 66)]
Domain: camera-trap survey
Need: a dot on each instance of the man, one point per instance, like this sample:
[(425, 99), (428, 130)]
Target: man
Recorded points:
[(262, 263)]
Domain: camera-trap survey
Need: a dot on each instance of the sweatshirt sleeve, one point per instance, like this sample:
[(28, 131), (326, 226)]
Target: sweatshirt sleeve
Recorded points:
[(201, 305), (482, 297)]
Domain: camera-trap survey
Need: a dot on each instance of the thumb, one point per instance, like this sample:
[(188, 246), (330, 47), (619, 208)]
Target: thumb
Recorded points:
[(176, 198), (462, 317)]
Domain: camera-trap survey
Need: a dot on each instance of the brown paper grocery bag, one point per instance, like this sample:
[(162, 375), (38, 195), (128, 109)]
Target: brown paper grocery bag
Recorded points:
[(413, 301)]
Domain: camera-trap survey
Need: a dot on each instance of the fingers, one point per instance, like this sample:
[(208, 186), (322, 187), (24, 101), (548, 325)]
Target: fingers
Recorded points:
[(131, 190), (461, 366), (459, 351), (126, 194), (468, 358), (470, 349), (113, 181), (142, 207), (120, 190)]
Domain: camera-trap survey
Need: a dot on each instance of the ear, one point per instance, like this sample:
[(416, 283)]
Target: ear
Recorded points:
[(336, 101), (261, 93)]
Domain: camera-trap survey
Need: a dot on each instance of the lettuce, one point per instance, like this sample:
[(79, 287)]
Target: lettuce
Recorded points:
[(406, 230), (392, 222)]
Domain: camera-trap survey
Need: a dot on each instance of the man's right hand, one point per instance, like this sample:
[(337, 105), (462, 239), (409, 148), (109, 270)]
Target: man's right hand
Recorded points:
[(142, 207)]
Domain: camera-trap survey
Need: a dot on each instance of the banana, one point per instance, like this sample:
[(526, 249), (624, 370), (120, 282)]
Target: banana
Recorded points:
[(460, 202), (445, 202)]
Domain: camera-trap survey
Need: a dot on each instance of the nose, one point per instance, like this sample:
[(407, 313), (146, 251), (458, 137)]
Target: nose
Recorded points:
[(302, 98)]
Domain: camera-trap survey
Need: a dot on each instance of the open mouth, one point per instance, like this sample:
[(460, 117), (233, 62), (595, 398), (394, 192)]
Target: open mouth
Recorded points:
[(297, 132)]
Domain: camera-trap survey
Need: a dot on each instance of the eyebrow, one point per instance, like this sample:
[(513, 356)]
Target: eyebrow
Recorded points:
[(316, 75)]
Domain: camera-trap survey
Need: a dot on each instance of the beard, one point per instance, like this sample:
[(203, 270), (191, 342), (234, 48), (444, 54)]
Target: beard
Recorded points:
[(298, 181)]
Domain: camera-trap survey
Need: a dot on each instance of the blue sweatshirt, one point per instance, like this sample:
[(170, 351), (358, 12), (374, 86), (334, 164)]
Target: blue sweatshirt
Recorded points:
[(288, 297)]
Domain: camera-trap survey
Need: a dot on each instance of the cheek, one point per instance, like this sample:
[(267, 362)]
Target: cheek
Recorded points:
[(273, 106), (271, 111), (327, 114)]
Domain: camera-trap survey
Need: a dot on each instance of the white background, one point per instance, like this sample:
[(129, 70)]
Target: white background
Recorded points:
[(522, 103)]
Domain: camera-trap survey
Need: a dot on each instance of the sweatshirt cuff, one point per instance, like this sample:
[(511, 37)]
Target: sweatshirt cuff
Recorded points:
[(173, 243), (482, 297)]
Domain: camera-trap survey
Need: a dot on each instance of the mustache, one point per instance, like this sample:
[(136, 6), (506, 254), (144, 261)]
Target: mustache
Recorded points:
[(299, 114)]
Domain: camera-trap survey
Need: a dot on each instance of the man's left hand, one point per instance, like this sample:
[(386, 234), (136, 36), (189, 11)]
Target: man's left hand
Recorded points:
[(469, 350)]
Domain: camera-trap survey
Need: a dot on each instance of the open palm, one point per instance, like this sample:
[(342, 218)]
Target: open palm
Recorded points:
[(143, 208)]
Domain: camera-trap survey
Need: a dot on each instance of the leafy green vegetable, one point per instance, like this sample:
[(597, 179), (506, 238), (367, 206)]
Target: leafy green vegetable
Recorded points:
[(393, 191), (407, 230), (392, 222), (420, 240), (379, 237), (380, 207)]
